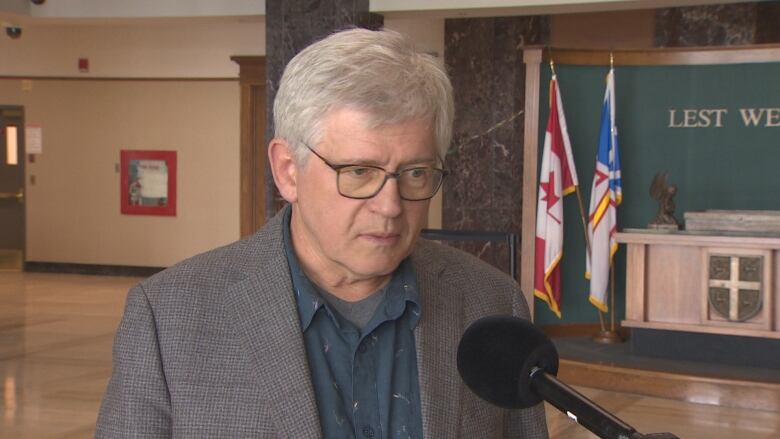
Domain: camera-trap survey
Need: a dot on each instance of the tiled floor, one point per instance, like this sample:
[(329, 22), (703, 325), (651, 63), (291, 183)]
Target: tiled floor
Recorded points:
[(56, 333), (685, 420)]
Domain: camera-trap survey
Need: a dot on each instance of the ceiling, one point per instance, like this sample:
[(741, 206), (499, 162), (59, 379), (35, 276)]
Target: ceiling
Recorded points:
[(107, 12)]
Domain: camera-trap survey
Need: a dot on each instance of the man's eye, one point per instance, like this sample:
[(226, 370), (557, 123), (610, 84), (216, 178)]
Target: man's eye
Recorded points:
[(358, 171), (418, 172)]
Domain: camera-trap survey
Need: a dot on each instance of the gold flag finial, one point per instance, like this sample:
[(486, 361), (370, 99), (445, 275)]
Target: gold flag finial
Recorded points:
[(552, 63), (611, 60)]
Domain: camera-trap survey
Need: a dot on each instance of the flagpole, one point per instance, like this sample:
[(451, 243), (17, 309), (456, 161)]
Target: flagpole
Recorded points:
[(587, 245), (612, 298), (611, 336), (615, 336), (582, 217)]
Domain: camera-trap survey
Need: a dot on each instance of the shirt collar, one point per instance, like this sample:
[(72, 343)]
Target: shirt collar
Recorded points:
[(401, 290), (305, 294)]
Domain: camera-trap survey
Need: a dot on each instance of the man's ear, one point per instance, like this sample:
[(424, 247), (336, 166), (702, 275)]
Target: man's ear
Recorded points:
[(284, 169)]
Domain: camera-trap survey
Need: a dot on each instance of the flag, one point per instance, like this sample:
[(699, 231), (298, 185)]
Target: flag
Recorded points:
[(557, 178), (605, 196)]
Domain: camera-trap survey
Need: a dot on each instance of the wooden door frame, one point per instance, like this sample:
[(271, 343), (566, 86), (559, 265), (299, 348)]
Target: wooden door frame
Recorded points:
[(253, 149)]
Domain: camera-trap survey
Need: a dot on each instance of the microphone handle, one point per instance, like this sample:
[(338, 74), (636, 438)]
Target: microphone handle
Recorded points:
[(582, 410)]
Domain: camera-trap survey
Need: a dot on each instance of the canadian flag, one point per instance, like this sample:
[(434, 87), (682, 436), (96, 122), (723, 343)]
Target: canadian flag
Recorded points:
[(557, 178)]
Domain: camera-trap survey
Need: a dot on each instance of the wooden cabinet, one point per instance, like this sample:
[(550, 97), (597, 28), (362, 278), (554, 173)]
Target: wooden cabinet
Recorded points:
[(703, 283)]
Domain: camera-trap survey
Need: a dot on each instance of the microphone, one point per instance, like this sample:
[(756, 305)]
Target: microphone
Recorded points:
[(510, 363)]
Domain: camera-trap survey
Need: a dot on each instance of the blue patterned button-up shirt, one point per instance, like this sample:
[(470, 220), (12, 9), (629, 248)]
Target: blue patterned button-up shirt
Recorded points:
[(366, 383)]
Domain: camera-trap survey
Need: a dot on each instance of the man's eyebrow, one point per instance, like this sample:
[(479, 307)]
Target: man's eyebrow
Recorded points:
[(427, 161)]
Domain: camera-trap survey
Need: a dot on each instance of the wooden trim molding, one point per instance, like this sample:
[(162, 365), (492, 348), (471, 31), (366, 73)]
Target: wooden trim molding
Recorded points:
[(532, 60), (253, 152), (92, 269), (631, 236), (685, 327), (666, 56), (117, 78), (637, 283)]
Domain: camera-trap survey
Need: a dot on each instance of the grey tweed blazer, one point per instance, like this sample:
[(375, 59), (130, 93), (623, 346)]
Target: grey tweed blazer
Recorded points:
[(212, 348)]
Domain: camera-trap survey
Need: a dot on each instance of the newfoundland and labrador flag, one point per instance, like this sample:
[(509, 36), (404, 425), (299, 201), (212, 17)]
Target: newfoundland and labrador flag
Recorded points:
[(557, 178), (605, 196)]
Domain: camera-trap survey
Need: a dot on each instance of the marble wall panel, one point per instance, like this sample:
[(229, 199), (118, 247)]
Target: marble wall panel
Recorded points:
[(291, 25), (484, 57), (768, 22), (718, 25)]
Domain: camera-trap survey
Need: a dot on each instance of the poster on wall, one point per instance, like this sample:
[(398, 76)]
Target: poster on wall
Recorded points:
[(148, 182), (33, 137)]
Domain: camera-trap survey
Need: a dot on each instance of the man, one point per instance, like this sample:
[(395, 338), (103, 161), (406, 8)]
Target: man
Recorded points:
[(333, 320)]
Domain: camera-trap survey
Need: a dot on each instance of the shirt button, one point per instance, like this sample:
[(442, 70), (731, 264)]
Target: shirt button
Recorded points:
[(368, 431), (362, 348)]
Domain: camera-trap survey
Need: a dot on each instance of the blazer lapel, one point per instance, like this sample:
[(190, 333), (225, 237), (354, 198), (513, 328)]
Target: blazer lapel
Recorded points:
[(267, 324), (437, 335)]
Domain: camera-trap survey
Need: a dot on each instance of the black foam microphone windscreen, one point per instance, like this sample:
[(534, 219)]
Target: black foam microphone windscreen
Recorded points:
[(496, 356)]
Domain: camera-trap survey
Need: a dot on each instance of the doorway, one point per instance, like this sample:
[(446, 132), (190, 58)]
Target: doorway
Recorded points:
[(12, 202), (253, 143)]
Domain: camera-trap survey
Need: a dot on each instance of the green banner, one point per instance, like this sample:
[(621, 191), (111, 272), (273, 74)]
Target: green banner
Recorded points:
[(714, 128)]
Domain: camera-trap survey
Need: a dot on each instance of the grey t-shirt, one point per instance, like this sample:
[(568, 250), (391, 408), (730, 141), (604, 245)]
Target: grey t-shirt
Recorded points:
[(358, 313)]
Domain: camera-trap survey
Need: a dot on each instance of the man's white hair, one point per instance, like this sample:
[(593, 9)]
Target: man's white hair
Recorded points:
[(378, 72)]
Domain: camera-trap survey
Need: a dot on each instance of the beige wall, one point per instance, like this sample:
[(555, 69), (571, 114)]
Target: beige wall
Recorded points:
[(148, 8), (73, 207), (177, 48), (185, 48)]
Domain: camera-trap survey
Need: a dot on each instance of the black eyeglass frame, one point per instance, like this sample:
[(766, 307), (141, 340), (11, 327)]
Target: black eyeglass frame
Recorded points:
[(388, 175)]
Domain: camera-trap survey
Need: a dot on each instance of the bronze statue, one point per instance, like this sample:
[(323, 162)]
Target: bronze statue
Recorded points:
[(664, 193)]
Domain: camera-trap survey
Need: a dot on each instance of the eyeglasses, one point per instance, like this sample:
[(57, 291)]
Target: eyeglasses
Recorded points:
[(365, 181)]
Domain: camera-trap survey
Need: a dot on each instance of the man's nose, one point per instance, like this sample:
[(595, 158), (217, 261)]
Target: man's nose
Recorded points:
[(388, 200)]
